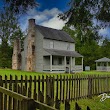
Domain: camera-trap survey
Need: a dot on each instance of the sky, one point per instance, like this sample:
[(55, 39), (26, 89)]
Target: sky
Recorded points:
[(46, 14)]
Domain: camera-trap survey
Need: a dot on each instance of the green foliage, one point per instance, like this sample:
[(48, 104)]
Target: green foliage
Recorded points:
[(5, 55), (86, 44), (9, 30), (81, 15), (106, 48), (20, 6), (82, 12)]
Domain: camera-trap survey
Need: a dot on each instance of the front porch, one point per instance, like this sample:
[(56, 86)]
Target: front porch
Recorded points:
[(62, 64)]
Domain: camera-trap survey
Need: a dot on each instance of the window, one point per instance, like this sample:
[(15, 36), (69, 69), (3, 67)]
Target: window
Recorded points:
[(51, 45), (68, 46), (33, 49), (60, 61), (68, 61)]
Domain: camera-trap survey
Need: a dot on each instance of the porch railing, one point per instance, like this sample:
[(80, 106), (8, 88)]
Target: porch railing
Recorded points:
[(62, 68), (77, 68), (103, 68)]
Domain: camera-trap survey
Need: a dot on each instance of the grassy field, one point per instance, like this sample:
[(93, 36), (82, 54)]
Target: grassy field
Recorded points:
[(95, 72), (19, 73), (93, 103)]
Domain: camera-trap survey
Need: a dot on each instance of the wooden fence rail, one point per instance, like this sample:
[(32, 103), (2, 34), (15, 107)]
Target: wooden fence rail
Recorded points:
[(10, 100), (63, 88)]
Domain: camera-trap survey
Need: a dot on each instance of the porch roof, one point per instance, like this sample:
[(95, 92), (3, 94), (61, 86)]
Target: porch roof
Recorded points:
[(103, 60), (63, 53)]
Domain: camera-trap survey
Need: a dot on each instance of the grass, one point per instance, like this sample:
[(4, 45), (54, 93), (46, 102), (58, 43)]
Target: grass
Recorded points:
[(95, 72), (8, 72), (93, 103)]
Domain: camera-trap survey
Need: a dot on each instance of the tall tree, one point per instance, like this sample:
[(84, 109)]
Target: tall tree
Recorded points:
[(86, 45), (105, 48), (81, 16), (9, 30), (82, 12), (20, 6)]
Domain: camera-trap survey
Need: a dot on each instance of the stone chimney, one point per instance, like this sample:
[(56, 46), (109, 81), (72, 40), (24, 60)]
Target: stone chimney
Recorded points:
[(30, 60), (31, 23), (16, 58)]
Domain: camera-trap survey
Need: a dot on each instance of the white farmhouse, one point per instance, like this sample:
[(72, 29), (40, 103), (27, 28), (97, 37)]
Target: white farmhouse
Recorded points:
[(46, 50)]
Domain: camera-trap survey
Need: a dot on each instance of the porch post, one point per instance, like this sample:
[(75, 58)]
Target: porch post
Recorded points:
[(82, 63), (65, 62), (96, 65), (71, 64), (107, 66), (50, 62)]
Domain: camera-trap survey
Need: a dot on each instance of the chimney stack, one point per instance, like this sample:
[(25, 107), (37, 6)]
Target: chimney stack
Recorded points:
[(31, 23)]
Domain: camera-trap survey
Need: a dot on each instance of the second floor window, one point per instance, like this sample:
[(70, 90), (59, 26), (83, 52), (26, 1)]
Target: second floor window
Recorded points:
[(68, 47), (51, 45)]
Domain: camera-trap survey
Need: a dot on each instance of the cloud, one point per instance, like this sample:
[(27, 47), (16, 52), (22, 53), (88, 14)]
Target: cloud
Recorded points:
[(48, 18), (55, 23), (105, 32)]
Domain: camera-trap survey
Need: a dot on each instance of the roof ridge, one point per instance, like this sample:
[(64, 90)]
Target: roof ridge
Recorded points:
[(55, 34), (49, 28)]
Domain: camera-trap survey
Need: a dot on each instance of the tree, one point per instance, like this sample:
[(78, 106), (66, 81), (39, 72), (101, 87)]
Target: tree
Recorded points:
[(105, 48), (20, 6), (81, 15), (82, 12), (86, 45), (9, 30)]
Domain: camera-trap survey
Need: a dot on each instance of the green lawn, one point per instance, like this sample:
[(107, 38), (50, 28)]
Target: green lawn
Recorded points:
[(95, 72), (19, 73), (93, 103)]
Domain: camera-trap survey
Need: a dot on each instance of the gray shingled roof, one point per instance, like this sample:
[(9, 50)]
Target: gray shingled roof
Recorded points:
[(63, 53), (103, 60), (54, 34)]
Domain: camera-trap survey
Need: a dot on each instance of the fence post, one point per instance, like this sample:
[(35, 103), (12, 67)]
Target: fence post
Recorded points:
[(1, 94), (49, 100), (40, 97), (89, 86), (57, 104), (67, 105), (88, 108), (77, 107), (28, 104)]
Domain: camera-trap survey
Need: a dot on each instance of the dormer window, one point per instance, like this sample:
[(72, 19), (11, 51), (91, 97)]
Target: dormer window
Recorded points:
[(51, 45)]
